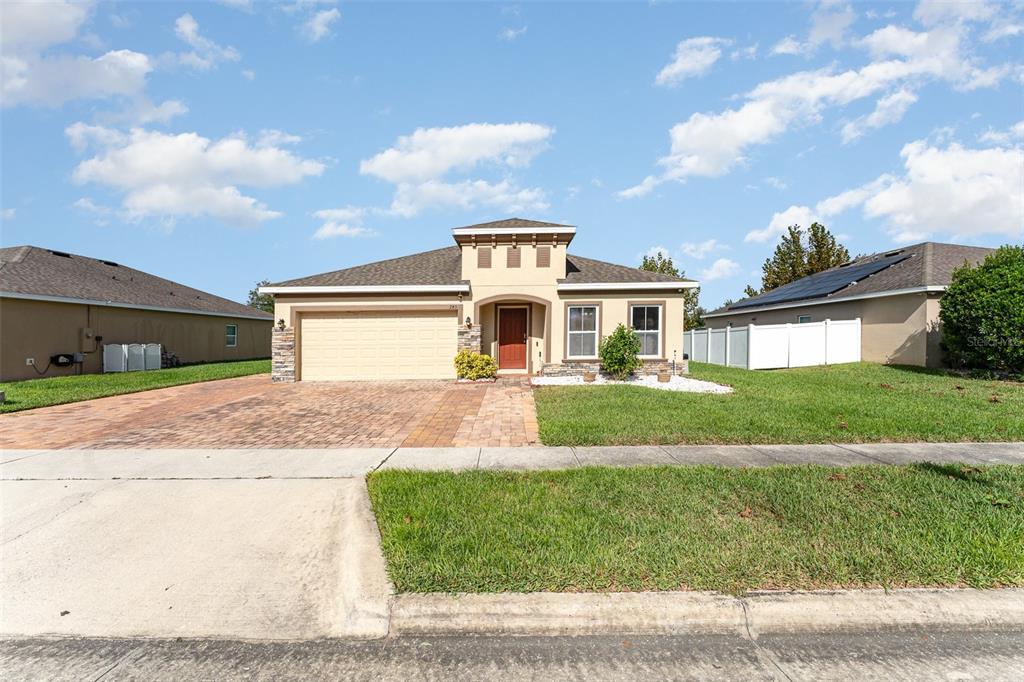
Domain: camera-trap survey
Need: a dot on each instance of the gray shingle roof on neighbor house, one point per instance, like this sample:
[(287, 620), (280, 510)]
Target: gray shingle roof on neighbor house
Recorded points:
[(34, 271), (444, 267), (928, 264)]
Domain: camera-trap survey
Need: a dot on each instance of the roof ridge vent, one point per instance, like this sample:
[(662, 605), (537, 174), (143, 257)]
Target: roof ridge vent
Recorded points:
[(892, 253), (62, 254), (110, 263)]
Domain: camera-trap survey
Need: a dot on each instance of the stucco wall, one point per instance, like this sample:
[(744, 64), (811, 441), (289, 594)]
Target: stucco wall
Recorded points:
[(894, 329), (39, 329)]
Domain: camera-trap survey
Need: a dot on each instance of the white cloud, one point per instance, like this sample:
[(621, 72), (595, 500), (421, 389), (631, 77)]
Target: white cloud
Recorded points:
[(788, 45), (429, 153), (720, 269), (330, 230), (888, 109), (170, 175), (932, 12), (953, 191), (712, 144), (693, 57), (29, 27), (205, 53), (342, 222), (318, 26), (509, 34), (410, 199), (1002, 137), (9, 213), (101, 214), (655, 251), (777, 183), (270, 137), (52, 81), (702, 249), (749, 52)]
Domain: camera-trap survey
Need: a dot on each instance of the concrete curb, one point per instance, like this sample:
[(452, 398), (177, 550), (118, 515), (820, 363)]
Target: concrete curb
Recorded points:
[(677, 613)]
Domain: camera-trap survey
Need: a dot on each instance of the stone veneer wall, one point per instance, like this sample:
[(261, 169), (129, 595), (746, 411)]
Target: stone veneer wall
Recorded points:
[(469, 338), (282, 352), (573, 369)]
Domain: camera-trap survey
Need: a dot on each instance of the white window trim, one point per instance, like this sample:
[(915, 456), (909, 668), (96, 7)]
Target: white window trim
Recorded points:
[(228, 335), (596, 332), (661, 325)]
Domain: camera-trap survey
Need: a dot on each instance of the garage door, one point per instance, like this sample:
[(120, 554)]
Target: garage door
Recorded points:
[(377, 345)]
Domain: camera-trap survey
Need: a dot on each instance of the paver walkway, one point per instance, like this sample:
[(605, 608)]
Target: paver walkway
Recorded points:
[(253, 412)]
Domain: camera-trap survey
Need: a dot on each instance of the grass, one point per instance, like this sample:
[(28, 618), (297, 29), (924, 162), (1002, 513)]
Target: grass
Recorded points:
[(861, 402), (26, 395), (702, 528)]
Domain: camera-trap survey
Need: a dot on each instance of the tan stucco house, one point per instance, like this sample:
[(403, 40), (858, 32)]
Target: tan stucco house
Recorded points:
[(507, 288), (896, 294), (57, 303)]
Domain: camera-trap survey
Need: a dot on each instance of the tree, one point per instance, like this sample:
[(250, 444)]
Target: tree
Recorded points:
[(264, 302), (982, 313), (794, 259), (692, 312)]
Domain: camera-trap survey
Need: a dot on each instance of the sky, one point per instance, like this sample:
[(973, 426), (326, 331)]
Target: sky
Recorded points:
[(219, 144)]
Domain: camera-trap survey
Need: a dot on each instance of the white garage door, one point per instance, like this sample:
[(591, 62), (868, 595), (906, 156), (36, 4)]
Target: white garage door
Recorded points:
[(377, 345)]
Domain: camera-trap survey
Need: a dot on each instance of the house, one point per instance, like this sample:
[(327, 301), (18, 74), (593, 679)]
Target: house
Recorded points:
[(506, 288), (896, 294), (56, 303)]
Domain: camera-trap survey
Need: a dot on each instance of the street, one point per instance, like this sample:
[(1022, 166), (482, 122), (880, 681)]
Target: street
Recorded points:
[(903, 655)]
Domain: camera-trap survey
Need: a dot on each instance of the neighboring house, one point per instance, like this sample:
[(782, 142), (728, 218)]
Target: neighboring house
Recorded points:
[(53, 303), (896, 294), (506, 288)]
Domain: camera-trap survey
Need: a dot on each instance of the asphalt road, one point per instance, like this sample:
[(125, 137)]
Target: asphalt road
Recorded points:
[(884, 655)]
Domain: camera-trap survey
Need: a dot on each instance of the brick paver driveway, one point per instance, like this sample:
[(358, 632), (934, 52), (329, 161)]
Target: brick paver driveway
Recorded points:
[(252, 412)]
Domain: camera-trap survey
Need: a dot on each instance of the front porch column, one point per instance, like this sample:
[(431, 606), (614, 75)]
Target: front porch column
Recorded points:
[(282, 352)]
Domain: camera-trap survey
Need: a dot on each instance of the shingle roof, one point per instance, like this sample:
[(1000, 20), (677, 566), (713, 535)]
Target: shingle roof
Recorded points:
[(580, 270), (444, 266), (929, 264), (511, 222), (440, 266), (36, 271)]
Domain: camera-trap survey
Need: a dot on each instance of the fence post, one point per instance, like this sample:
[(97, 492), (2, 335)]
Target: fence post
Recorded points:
[(709, 345), (693, 349), (789, 344), (828, 330), (750, 343), (728, 330)]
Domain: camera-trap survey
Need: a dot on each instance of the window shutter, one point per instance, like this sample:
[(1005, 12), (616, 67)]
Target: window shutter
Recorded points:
[(543, 256), (483, 257), (514, 255)]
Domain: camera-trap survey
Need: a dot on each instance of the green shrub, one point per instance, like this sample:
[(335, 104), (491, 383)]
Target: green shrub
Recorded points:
[(471, 365), (619, 352), (982, 313)]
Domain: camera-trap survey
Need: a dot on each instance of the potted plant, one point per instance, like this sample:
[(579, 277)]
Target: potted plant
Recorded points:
[(664, 376), (589, 376)]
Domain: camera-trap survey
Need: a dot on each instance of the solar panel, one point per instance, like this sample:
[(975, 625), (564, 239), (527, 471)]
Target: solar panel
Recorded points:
[(821, 283)]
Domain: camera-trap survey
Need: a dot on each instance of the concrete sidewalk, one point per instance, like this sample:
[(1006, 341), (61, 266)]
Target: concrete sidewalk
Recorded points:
[(357, 462)]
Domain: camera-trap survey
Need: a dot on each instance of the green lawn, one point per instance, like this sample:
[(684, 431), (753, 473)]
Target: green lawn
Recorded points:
[(702, 528), (25, 395), (842, 403)]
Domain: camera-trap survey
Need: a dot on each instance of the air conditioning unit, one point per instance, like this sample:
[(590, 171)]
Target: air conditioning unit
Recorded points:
[(115, 357), (136, 357), (152, 355)]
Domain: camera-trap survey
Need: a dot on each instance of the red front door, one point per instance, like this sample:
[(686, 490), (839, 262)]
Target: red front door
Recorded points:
[(512, 338)]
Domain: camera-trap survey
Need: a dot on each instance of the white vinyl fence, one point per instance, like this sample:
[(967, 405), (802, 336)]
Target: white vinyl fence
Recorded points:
[(771, 346)]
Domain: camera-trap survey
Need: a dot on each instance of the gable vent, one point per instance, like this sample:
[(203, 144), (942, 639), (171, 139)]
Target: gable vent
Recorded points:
[(483, 257), (543, 256), (514, 257)]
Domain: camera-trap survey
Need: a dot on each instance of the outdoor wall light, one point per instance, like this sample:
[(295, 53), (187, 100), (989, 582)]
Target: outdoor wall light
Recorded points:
[(468, 321)]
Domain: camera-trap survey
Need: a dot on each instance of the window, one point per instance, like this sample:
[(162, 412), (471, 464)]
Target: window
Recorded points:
[(582, 331), (514, 254), (231, 335), (483, 257), (646, 321), (803, 319), (543, 256)]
